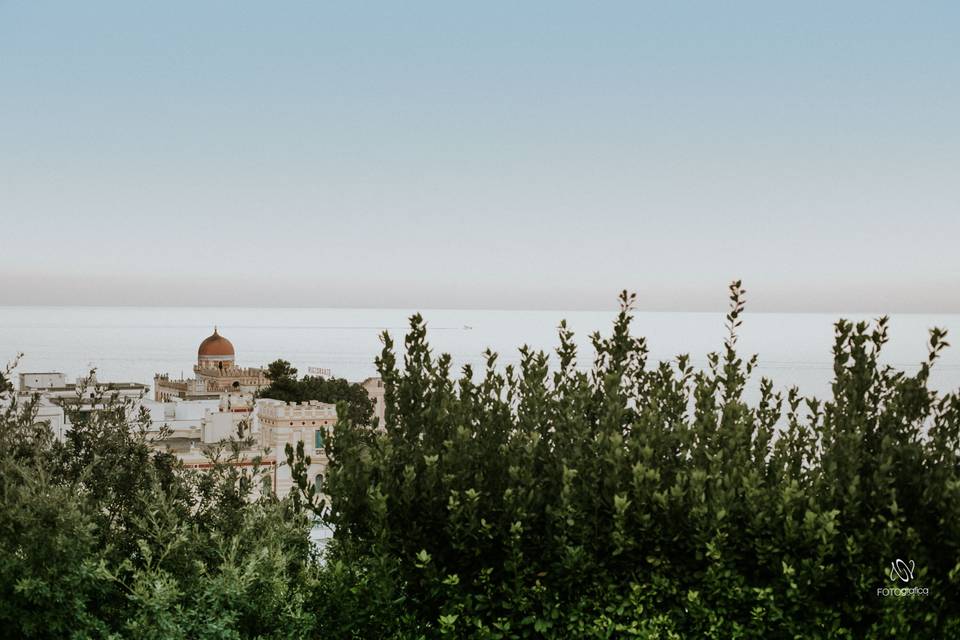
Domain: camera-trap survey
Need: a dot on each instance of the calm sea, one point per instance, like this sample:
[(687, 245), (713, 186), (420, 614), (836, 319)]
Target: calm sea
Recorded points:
[(131, 344)]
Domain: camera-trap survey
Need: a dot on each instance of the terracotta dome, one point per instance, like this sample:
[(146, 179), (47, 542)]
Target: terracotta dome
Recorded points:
[(216, 347)]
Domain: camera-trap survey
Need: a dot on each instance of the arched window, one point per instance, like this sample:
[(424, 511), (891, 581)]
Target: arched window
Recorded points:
[(318, 482)]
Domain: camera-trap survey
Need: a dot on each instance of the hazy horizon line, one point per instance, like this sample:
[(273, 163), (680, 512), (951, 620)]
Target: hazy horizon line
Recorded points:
[(423, 309)]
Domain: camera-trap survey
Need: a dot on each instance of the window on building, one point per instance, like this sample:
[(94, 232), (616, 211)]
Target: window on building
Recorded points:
[(318, 439), (318, 482)]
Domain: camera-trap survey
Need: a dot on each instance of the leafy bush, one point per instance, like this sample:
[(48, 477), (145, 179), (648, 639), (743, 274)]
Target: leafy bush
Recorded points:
[(645, 500), (103, 537), (625, 499)]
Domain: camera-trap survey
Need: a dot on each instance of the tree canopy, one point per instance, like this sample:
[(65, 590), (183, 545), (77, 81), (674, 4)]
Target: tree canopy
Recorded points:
[(284, 385)]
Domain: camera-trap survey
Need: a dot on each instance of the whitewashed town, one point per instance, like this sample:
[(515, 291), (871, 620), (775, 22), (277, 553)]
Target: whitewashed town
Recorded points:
[(191, 416)]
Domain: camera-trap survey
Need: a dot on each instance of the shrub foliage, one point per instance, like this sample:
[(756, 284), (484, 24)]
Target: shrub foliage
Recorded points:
[(647, 500), (101, 536), (553, 499)]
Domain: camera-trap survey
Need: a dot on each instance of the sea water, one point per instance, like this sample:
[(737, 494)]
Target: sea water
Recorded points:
[(131, 344)]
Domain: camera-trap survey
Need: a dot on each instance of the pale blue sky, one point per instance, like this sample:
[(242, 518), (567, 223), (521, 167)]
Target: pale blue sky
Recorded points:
[(497, 154)]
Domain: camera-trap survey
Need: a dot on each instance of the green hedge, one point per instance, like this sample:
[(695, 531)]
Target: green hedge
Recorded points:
[(639, 499), (550, 500)]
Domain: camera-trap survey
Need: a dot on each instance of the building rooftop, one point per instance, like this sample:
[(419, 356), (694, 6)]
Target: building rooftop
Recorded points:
[(216, 346)]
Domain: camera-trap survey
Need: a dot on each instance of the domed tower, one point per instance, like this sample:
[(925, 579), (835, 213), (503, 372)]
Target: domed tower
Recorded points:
[(215, 352)]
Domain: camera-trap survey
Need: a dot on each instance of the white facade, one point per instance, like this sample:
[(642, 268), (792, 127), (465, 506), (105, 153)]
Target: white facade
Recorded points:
[(183, 418), (55, 418), (54, 386), (375, 389), (282, 423), (235, 411), (58, 399), (37, 381)]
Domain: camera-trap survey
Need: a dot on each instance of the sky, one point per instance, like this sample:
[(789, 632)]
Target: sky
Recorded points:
[(537, 155)]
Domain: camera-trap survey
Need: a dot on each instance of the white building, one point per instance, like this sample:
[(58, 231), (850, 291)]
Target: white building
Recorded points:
[(54, 385), (58, 399), (37, 381), (216, 372), (201, 414), (282, 423), (182, 418), (198, 428), (374, 388)]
